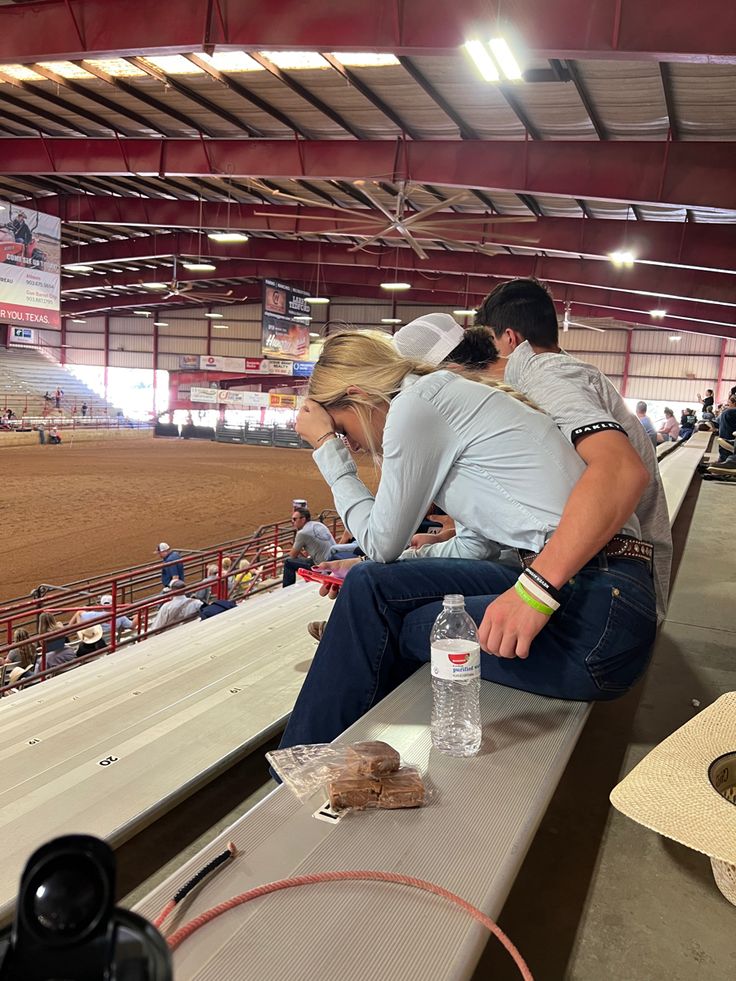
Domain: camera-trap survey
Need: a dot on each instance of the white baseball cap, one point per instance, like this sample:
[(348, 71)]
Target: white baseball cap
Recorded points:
[(106, 600), (164, 547), (429, 338)]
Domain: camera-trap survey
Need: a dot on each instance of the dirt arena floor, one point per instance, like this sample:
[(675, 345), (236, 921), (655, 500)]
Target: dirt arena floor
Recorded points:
[(77, 510)]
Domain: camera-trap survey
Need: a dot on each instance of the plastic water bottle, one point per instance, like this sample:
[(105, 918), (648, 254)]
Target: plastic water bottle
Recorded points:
[(456, 728)]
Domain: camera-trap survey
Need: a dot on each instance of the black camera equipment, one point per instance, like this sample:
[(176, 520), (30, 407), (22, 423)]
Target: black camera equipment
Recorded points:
[(67, 927)]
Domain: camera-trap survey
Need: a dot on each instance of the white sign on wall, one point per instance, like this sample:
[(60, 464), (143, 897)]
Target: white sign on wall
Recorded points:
[(22, 335), (232, 399)]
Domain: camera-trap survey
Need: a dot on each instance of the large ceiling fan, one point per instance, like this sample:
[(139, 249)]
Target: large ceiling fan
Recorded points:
[(567, 323), (414, 228), (188, 290)]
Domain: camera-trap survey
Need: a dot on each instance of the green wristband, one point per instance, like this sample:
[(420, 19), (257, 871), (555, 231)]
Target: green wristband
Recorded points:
[(531, 601)]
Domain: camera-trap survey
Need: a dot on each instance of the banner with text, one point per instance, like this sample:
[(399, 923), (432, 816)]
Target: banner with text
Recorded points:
[(30, 267), (283, 336), (231, 399)]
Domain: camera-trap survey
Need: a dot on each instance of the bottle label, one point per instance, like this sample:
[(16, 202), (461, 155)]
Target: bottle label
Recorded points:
[(456, 660)]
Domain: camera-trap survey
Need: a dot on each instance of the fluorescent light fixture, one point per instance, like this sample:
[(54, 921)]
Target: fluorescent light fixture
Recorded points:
[(228, 236), (221, 326), (353, 59), (160, 323), (142, 313), (675, 337), (214, 316), (622, 259), (76, 321), (317, 300), (657, 313), (506, 61), (482, 59), (395, 286), (155, 286), (390, 320), (199, 266), (465, 313), (78, 267)]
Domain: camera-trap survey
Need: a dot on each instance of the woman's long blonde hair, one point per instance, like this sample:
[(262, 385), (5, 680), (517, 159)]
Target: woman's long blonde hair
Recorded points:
[(368, 360), (27, 651)]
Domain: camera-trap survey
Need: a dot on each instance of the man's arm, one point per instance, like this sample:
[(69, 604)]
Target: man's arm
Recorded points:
[(298, 546), (601, 502)]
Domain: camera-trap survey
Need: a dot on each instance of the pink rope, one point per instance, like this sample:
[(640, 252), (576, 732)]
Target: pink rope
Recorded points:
[(177, 938)]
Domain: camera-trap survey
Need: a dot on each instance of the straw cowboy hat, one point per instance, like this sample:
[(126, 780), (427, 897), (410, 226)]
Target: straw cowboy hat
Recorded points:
[(17, 673), (685, 789), (90, 635)]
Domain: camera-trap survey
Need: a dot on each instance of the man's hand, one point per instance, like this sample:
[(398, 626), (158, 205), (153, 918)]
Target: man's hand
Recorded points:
[(338, 564), (312, 422), (443, 534), (509, 626)]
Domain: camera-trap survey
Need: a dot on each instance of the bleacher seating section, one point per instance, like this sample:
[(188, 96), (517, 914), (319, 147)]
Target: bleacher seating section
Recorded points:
[(27, 373)]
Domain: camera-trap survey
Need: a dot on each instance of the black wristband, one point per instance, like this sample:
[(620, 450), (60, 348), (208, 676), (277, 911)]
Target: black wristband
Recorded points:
[(539, 579)]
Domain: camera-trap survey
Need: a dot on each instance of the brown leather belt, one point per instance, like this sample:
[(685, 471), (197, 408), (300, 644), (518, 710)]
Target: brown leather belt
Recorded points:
[(619, 547)]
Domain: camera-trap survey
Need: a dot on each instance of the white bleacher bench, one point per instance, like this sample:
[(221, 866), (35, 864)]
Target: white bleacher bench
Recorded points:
[(168, 714), (186, 725), (471, 838)]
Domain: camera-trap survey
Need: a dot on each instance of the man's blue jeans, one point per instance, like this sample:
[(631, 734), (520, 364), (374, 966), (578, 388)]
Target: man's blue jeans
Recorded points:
[(290, 566), (596, 646)]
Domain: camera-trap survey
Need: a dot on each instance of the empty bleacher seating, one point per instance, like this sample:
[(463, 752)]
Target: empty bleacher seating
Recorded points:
[(27, 373)]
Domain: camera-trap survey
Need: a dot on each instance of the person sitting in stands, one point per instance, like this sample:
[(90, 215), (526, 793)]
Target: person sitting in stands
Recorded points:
[(85, 409), (204, 593), (313, 543), (54, 437), (85, 616), (688, 420), (641, 415), (579, 623), (24, 655), (90, 640), (173, 567), (179, 607), (57, 648), (669, 430)]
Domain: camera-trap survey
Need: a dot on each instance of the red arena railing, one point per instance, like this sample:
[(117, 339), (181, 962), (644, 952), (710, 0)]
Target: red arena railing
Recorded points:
[(238, 569)]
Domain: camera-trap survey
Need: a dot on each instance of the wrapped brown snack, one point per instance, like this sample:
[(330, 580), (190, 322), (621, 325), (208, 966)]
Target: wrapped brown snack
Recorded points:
[(372, 758), (348, 790), (402, 789)]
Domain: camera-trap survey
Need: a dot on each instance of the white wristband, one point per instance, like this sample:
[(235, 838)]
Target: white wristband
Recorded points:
[(537, 592)]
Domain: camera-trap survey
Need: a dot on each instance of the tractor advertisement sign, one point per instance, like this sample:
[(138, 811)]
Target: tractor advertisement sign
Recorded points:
[(30, 266)]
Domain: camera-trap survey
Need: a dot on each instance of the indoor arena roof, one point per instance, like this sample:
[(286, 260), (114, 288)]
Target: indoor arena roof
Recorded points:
[(356, 143)]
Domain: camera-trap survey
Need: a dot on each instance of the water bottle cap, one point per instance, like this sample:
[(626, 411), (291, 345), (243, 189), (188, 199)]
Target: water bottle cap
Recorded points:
[(453, 601)]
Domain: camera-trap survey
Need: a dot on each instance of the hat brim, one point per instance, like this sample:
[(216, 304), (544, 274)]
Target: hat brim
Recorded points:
[(90, 635), (670, 790)]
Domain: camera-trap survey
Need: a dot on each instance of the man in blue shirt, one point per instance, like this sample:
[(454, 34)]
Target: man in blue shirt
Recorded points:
[(173, 567)]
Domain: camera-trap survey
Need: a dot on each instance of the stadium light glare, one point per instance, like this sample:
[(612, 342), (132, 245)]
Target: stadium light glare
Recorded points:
[(482, 60), (78, 267), (142, 313), (160, 323), (505, 59), (214, 316), (395, 286), (622, 259), (658, 313), (228, 236), (675, 337)]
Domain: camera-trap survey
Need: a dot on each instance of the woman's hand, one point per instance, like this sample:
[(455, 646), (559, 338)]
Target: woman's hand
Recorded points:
[(338, 564), (313, 422)]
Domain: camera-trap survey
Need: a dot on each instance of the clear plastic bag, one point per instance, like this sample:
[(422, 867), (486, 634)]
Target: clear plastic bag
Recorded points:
[(308, 769)]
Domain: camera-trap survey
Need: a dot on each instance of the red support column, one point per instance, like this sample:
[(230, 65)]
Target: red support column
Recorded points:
[(106, 350), (721, 368), (627, 361), (155, 366)]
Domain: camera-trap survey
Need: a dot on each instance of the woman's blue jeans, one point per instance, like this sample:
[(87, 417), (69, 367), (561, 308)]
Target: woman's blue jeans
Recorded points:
[(596, 646)]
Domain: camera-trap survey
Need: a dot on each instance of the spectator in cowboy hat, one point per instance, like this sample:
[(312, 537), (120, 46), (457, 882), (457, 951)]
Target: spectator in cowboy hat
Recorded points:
[(85, 616), (173, 567), (91, 640)]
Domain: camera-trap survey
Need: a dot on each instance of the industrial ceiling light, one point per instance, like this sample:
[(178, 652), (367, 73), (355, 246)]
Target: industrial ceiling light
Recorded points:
[(390, 320), (214, 316), (160, 323), (227, 236), (221, 326), (199, 266), (622, 259), (465, 313), (482, 60), (675, 337), (658, 313), (316, 300), (155, 286), (313, 334), (78, 267), (506, 61), (77, 321), (142, 313), (395, 287)]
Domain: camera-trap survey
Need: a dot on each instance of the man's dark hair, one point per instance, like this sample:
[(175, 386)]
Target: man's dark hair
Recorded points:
[(303, 513), (524, 306), (475, 350)]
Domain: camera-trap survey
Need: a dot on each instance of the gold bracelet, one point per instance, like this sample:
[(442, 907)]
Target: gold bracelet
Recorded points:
[(331, 433)]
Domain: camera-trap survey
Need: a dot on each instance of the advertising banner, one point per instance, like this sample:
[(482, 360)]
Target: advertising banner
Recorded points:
[(30, 267), (211, 362), (303, 369), (22, 335), (231, 399), (277, 401), (208, 395), (283, 337), (189, 362)]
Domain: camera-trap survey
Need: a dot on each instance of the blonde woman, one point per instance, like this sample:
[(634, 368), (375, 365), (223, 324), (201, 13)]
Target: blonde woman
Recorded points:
[(580, 625), (24, 654)]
